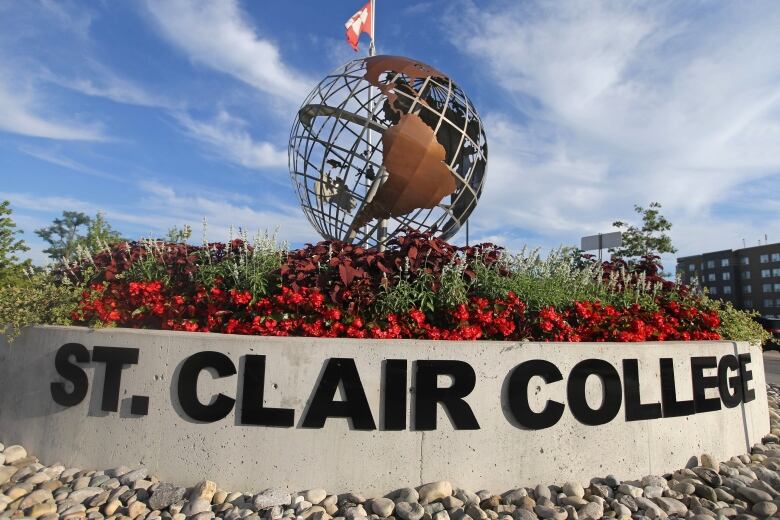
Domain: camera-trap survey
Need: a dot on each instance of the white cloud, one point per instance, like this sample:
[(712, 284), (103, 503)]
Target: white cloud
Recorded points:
[(228, 137), (611, 104), (58, 159), (216, 34), (20, 113)]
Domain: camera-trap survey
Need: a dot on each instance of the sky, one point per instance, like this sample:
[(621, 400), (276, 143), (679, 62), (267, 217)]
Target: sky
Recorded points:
[(163, 113)]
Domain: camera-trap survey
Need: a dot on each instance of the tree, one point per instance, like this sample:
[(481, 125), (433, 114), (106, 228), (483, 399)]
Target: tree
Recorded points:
[(100, 234), (65, 236), (650, 239), (11, 268)]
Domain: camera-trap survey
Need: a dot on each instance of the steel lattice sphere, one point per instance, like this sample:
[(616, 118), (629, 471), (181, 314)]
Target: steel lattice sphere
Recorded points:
[(387, 138)]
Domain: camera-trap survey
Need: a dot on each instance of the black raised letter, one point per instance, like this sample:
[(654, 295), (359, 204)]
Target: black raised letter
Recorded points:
[(355, 405), (428, 394), (517, 394), (70, 372), (702, 383), (252, 409), (672, 407), (725, 382), (394, 395), (747, 376), (635, 410), (115, 358), (612, 395), (187, 386)]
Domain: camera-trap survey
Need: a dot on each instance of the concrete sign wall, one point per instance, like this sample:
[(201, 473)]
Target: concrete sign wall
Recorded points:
[(374, 415)]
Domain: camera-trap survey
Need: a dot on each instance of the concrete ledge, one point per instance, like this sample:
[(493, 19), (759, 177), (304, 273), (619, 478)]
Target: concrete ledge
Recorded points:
[(644, 412)]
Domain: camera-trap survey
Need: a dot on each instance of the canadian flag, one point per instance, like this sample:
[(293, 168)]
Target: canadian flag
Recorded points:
[(360, 22)]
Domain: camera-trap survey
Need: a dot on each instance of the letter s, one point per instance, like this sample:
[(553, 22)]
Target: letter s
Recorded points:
[(72, 373)]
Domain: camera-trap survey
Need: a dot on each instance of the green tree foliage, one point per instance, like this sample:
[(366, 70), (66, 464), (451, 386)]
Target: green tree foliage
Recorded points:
[(11, 267), (100, 234), (649, 239), (75, 229)]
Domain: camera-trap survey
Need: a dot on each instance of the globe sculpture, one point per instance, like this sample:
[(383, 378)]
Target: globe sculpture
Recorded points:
[(387, 143)]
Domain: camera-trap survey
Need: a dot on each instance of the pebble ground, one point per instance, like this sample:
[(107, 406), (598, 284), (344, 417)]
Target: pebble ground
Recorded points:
[(745, 487)]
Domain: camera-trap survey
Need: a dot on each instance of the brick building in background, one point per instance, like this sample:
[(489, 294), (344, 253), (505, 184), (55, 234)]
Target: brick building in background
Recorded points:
[(749, 278)]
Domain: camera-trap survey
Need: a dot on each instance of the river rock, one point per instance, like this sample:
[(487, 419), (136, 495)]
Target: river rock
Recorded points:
[(764, 509), (409, 510), (753, 495), (407, 495), (573, 489), (434, 491), (551, 513), (382, 507), (591, 511), (513, 497), (165, 495), (270, 498), (671, 506), (524, 514), (542, 491), (14, 453), (81, 495)]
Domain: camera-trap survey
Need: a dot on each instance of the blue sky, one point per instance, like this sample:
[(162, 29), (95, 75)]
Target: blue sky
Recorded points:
[(161, 113)]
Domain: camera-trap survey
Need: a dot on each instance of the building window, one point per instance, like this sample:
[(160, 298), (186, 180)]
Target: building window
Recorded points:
[(692, 267), (748, 304), (724, 262), (777, 287), (727, 276), (767, 287), (769, 302), (745, 260), (746, 275), (713, 290), (727, 289), (747, 289), (776, 271), (765, 273), (763, 259), (776, 257), (710, 264), (711, 277)]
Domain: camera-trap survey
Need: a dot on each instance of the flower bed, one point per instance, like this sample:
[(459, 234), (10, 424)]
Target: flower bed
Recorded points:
[(420, 287)]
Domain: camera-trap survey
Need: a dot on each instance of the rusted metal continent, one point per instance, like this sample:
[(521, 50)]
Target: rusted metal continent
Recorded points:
[(417, 175), (376, 65)]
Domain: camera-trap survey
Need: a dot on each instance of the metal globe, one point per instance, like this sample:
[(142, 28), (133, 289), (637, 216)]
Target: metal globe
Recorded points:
[(386, 143)]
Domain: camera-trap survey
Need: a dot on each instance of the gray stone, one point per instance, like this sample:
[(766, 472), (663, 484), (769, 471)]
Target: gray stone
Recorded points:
[(270, 498), (671, 506), (763, 486), (81, 495), (451, 502), (573, 501), (612, 481), (315, 496), (382, 507), (551, 513), (467, 497), (709, 476), (434, 491), (165, 495), (524, 514), (753, 495), (707, 492), (406, 495), (476, 512), (131, 476), (542, 491), (685, 488), (653, 491), (515, 496), (573, 489), (650, 507), (600, 490), (591, 511), (441, 515), (304, 505), (199, 505), (409, 510), (764, 509), (433, 508), (654, 480), (710, 462), (630, 502)]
